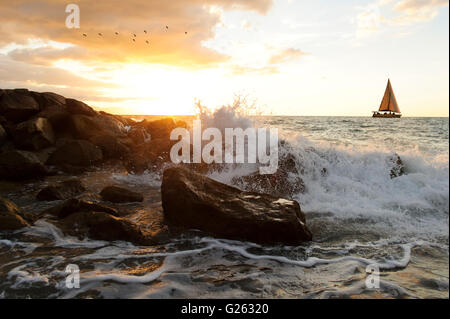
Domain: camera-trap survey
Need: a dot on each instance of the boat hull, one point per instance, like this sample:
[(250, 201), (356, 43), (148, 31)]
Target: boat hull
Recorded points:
[(386, 115)]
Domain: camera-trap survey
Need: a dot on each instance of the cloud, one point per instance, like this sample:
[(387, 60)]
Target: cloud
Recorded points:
[(23, 75), (413, 11), (23, 20), (286, 55), (384, 13)]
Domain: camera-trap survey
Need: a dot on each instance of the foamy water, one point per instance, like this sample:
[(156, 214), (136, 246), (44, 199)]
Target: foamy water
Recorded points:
[(358, 214)]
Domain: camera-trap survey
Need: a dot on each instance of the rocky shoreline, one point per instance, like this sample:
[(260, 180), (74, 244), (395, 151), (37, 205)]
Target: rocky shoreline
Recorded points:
[(45, 134)]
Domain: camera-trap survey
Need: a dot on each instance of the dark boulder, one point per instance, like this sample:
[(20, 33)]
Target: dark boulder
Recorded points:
[(18, 105), (58, 117), (74, 205), (116, 194), (103, 226), (78, 107), (191, 200), (78, 153), (34, 134), (3, 135), (86, 127), (63, 190), (10, 216), (159, 128), (111, 146), (47, 99), (139, 135), (20, 165)]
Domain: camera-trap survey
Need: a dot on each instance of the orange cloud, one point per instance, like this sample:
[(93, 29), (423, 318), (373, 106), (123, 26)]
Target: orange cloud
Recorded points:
[(45, 19)]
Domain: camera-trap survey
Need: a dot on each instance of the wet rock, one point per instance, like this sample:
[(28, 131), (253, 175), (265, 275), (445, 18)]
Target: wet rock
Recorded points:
[(18, 105), (3, 135), (398, 168), (63, 190), (78, 107), (191, 200), (111, 146), (20, 165), (159, 128), (117, 194), (86, 127), (47, 99), (74, 205), (34, 134), (103, 226), (281, 183), (78, 153), (58, 116), (10, 216), (139, 135)]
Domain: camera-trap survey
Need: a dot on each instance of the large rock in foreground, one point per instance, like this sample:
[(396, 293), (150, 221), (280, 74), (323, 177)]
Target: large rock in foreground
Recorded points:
[(191, 200)]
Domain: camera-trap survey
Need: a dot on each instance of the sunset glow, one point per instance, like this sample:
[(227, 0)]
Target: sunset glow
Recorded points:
[(292, 57)]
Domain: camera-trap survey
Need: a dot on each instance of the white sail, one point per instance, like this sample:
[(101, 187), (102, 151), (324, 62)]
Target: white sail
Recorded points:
[(389, 102)]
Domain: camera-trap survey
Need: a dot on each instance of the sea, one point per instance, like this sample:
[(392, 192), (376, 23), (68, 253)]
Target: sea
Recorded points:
[(374, 236)]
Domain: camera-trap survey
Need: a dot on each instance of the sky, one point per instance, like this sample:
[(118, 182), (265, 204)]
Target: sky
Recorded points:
[(287, 57)]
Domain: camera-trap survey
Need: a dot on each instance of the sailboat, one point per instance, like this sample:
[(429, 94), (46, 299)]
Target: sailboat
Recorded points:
[(389, 107)]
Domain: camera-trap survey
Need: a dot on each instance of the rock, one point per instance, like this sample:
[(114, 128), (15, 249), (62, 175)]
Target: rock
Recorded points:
[(398, 168), (58, 116), (281, 183), (47, 99), (18, 105), (20, 165), (111, 146), (116, 194), (10, 217), (77, 107), (86, 127), (191, 200), (153, 154), (63, 190), (103, 226), (34, 134), (78, 153), (139, 135), (74, 205), (3, 135), (159, 128)]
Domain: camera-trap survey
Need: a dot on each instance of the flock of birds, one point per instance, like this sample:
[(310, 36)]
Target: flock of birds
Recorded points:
[(133, 37)]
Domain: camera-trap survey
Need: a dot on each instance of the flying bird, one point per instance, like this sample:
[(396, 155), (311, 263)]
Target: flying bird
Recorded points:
[(145, 31), (134, 35), (167, 27), (185, 32), (147, 41), (84, 35), (117, 33), (100, 34), (134, 40)]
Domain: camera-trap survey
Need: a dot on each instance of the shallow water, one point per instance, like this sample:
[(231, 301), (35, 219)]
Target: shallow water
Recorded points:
[(358, 214)]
